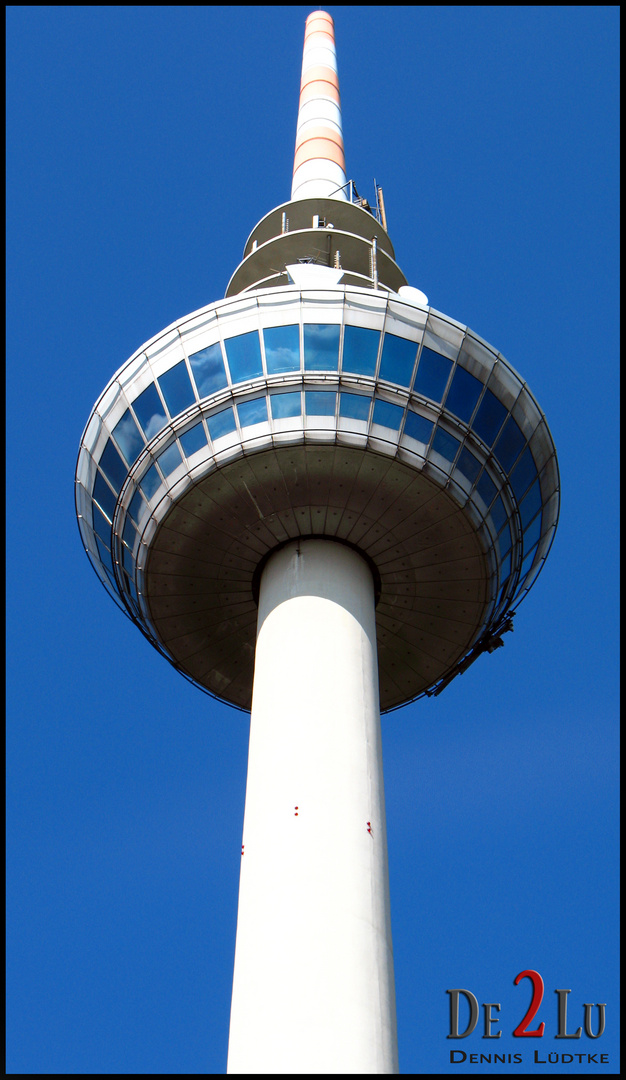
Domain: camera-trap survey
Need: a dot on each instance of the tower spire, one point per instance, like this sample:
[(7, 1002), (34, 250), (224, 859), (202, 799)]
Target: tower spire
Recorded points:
[(319, 168)]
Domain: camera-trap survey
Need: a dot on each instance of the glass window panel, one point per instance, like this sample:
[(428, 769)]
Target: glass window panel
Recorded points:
[(282, 349), (321, 347), (252, 412), (130, 533), (136, 505), (418, 427), (105, 554), (244, 356), (532, 533), (486, 489), (530, 504), (504, 540), (284, 405), (523, 474), (319, 403), (208, 370), (148, 409), (505, 570), (445, 444), (432, 374), (489, 418), (498, 514), (101, 525), (176, 389), (468, 464), (194, 439), (527, 563), (355, 406), (128, 437), (463, 394), (151, 482), (170, 459), (112, 581), (102, 492), (127, 559), (222, 423), (398, 359), (388, 415), (509, 444), (360, 350), (500, 595), (112, 466)]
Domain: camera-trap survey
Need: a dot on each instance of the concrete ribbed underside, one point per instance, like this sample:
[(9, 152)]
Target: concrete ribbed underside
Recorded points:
[(434, 573)]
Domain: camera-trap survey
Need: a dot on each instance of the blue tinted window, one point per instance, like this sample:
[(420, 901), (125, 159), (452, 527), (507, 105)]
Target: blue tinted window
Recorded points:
[(355, 406), (112, 581), (432, 374), (208, 370), (360, 350), (509, 444), (127, 559), (149, 411), (445, 444), (531, 504), (319, 403), (388, 415), (282, 349), (102, 492), (128, 437), (486, 489), (101, 525), (252, 412), (524, 473), (136, 505), (194, 439), (527, 563), (463, 394), (176, 389), (104, 554), (489, 418), (284, 405), (532, 533), (418, 427), (221, 424), (130, 533), (468, 465), (504, 540), (112, 466), (397, 360), (169, 459), (244, 356), (321, 347), (151, 482), (498, 514), (505, 570)]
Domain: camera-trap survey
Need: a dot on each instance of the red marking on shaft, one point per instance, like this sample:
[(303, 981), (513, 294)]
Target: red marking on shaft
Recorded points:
[(369, 828)]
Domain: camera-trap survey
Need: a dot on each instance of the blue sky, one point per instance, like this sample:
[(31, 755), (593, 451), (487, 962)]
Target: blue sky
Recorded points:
[(144, 143)]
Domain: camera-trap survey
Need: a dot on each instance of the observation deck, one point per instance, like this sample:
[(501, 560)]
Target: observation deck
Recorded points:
[(346, 412)]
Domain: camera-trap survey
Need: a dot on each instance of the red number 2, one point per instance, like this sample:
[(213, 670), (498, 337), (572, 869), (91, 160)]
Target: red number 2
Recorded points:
[(537, 982)]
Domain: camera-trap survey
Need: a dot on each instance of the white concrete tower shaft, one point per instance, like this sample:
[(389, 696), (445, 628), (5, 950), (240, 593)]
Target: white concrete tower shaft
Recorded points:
[(319, 169), (313, 988)]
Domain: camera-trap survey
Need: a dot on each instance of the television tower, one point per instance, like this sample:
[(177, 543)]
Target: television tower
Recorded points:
[(318, 498)]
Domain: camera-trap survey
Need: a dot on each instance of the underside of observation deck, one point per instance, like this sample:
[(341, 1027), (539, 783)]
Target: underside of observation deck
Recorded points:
[(434, 576)]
